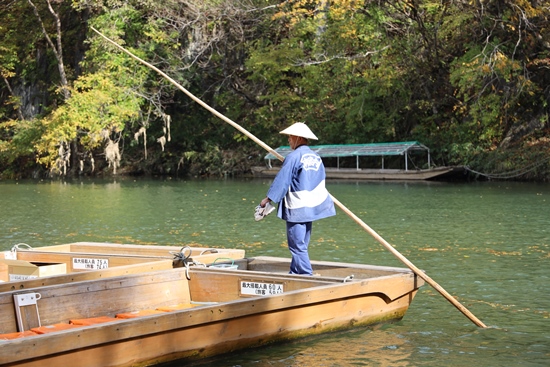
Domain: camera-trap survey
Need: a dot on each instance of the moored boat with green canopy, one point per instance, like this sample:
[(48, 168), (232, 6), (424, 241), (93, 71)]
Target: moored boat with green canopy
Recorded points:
[(410, 167)]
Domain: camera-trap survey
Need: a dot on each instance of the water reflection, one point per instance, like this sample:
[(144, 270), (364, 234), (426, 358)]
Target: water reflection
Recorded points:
[(488, 244), (363, 347)]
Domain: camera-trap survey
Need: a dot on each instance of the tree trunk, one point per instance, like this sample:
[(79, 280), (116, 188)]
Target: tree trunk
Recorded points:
[(18, 108), (56, 47)]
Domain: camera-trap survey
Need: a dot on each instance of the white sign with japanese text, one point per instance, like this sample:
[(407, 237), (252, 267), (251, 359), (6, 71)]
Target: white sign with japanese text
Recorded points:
[(83, 263), (260, 289)]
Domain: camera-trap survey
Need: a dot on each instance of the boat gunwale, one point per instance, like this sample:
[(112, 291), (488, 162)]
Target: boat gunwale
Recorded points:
[(335, 264), (170, 250)]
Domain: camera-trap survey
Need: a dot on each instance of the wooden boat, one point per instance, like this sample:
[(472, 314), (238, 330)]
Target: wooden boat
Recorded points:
[(403, 151), (159, 316), (451, 172), (91, 260)]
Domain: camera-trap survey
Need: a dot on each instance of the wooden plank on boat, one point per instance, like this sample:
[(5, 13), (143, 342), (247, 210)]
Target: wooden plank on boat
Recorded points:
[(207, 254), (82, 262)]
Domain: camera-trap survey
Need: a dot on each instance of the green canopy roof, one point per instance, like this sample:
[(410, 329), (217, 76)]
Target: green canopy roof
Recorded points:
[(358, 150)]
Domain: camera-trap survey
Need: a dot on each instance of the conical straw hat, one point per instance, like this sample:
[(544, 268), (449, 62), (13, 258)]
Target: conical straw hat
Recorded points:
[(299, 129)]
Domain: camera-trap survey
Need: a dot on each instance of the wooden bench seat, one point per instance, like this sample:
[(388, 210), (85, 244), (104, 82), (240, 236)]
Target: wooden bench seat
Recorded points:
[(94, 320)]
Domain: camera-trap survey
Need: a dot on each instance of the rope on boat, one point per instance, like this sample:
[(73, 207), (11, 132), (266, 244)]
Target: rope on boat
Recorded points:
[(20, 246), (181, 255), (184, 257), (511, 174), (349, 278), (212, 250)]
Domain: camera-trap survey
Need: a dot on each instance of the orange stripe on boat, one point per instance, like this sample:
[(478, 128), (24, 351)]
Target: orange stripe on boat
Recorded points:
[(181, 306), (133, 314), (17, 335), (53, 328), (92, 320)]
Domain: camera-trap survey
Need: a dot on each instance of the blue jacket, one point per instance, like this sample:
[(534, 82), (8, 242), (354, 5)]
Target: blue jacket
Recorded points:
[(299, 188)]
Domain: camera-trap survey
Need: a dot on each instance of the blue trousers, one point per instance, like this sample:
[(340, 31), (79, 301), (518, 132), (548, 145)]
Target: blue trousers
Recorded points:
[(298, 235)]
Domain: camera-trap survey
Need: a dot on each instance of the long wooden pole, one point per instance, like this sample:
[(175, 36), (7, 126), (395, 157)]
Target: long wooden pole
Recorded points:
[(358, 220)]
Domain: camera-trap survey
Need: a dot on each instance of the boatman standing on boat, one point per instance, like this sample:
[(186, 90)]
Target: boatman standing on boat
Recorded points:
[(299, 189)]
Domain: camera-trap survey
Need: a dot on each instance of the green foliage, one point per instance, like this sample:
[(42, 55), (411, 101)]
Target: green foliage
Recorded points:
[(108, 98), (97, 108), (8, 57), (19, 137), (212, 161), (321, 74), (493, 86)]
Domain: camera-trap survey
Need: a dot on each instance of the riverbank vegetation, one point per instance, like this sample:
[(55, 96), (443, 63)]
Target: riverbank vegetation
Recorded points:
[(469, 79)]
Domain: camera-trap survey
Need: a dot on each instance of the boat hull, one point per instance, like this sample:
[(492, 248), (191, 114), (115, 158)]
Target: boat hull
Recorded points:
[(238, 320), (217, 338)]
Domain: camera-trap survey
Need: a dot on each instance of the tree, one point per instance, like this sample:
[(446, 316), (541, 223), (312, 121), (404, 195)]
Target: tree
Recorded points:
[(461, 77)]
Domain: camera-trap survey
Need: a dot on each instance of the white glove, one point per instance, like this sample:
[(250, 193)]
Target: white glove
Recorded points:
[(260, 212)]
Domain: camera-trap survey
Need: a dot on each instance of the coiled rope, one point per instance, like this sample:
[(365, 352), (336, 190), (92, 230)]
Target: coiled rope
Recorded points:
[(21, 246), (183, 257)]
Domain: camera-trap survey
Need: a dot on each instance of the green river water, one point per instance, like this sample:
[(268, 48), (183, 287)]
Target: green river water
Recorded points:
[(487, 243)]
